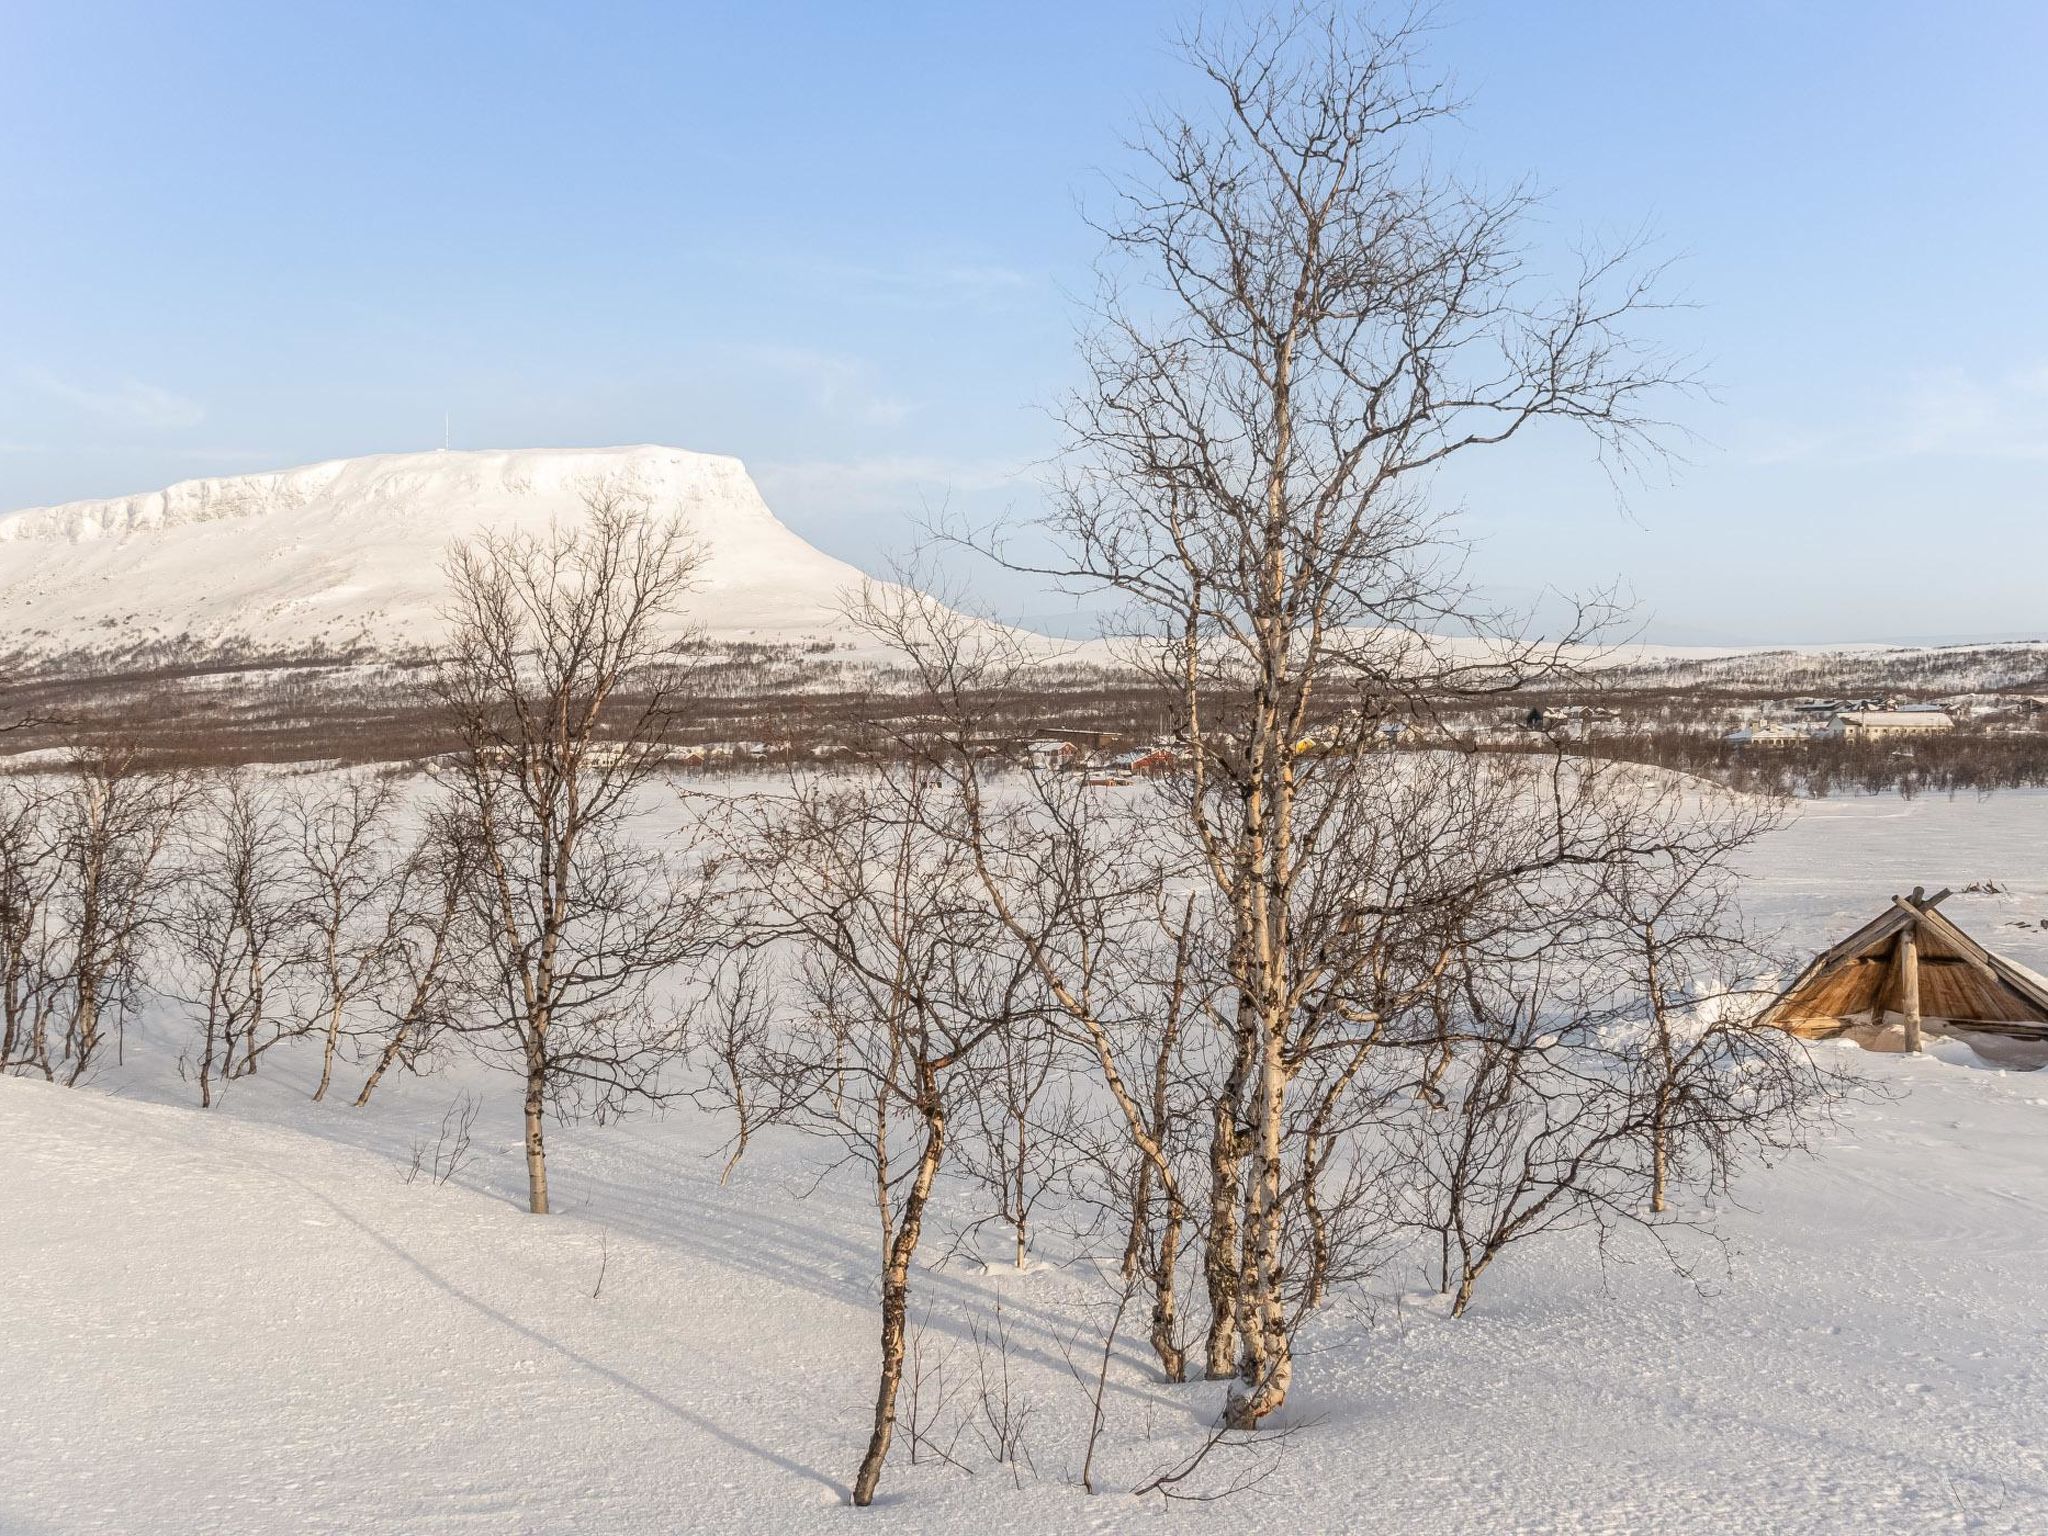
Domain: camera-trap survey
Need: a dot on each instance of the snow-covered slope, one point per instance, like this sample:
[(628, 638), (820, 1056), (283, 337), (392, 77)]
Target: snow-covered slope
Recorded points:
[(350, 550), (248, 1320), (245, 1320)]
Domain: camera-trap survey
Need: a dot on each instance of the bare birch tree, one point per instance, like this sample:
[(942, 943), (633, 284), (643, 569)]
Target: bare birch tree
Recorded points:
[(29, 871), (732, 1035), (114, 823), (353, 916), (431, 978), (1716, 1086), (1303, 321), (562, 672), (433, 971), (899, 990), (240, 913), (1598, 1042)]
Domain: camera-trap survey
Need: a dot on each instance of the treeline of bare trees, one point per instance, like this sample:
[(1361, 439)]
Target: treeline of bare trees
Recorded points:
[(753, 707), (505, 908), (259, 909), (1959, 762), (1926, 670)]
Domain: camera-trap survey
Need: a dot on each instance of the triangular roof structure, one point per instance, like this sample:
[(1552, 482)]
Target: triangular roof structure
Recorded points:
[(1958, 979)]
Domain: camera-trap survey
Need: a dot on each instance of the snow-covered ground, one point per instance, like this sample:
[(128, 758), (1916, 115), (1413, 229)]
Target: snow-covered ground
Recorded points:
[(248, 1320), (1841, 860)]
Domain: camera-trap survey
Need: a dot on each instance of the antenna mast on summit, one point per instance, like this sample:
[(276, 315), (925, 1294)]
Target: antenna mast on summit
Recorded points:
[(444, 431)]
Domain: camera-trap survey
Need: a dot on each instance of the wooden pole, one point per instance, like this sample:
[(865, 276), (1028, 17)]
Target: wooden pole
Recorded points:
[(1909, 983)]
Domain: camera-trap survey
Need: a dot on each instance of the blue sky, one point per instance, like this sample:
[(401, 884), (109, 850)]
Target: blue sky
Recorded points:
[(842, 242)]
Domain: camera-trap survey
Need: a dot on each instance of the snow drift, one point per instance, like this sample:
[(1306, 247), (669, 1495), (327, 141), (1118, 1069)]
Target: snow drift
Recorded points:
[(349, 552)]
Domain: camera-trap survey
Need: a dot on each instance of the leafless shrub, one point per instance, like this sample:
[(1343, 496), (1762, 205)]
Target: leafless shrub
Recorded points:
[(450, 1153), (1003, 1412), (1096, 1384), (1252, 1456), (932, 1416)]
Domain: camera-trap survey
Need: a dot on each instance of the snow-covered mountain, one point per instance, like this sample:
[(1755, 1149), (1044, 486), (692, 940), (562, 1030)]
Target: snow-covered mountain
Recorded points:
[(350, 550)]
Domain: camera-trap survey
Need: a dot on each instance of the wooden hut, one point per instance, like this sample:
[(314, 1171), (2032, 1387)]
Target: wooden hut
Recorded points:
[(1913, 962)]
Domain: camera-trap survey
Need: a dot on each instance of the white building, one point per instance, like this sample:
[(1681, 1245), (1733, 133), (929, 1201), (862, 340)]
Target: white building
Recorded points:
[(1874, 724), (1764, 735), (1049, 752)]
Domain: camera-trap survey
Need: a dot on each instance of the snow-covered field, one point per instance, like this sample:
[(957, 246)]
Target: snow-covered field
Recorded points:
[(249, 1320)]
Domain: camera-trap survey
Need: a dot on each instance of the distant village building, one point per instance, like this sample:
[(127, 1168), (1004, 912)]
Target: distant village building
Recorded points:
[(1827, 709), (1144, 760), (1049, 752), (1575, 719), (1765, 735), (1878, 724)]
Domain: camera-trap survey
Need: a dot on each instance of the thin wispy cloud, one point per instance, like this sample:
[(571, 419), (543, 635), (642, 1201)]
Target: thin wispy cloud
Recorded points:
[(226, 458), (1953, 414), (888, 473), (934, 286), (131, 403), (915, 283), (1941, 413), (879, 509), (887, 490), (890, 486), (836, 385)]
